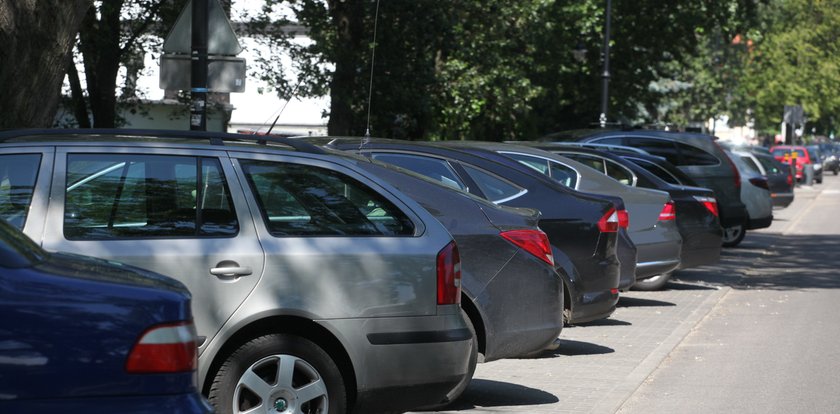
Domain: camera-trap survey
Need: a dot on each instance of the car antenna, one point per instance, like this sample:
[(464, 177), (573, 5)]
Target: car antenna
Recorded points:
[(294, 93), (370, 87)]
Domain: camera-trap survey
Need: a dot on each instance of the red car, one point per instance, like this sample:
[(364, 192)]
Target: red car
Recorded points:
[(785, 153)]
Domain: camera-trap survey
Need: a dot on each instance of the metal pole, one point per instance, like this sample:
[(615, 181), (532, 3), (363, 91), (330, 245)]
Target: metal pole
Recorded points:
[(605, 76), (198, 78)]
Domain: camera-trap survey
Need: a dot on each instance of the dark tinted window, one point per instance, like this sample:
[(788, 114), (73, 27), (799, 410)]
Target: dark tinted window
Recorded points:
[(659, 147), (139, 196), (657, 171), (588, 160), (749, 163), (563, 174), (495, 189), (692, 155), (17, 182), (619, 173), (771, 165), (434, 168), (301, 200)]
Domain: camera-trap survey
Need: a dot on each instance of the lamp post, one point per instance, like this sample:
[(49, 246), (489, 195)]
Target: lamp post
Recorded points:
[(605, 76)]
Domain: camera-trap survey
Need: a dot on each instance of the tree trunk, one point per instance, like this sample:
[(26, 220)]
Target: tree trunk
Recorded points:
[(99, 42), (36, 39), (348, 21)]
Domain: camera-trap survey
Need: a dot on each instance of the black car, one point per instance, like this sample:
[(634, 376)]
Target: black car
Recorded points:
[(697, 212), (582, 228), (698, 155)]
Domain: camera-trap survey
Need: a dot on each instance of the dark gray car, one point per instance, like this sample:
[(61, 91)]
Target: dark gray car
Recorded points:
[(511, 293), (315, 288)]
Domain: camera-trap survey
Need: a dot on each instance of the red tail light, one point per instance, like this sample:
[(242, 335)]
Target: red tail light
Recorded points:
[(759, 182), (449, 275), (790, 180), (164, 348), (532, 241), (669, 212), (623, 218), (609, 223), (710, 203)]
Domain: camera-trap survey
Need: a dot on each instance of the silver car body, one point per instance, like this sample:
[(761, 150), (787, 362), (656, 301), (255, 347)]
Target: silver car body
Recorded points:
[(369, 300), (757, 199)]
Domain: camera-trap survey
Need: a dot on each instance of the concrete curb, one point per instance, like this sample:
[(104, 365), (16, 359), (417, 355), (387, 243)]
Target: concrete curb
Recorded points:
[(612, 401)]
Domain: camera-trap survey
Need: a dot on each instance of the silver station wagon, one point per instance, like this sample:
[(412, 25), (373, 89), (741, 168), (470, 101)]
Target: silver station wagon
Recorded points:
[(316, 288)]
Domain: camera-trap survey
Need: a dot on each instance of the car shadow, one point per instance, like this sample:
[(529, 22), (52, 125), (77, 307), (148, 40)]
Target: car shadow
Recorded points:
[(679, 285), (627, 301), (604, 322), (488, 393)]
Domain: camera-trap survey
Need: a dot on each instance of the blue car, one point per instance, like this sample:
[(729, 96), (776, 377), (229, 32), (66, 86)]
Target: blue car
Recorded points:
[(84, 335)]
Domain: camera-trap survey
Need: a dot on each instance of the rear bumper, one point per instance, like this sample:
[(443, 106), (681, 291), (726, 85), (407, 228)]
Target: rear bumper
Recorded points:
[(782, 200), (424, 357), (594, 306), (760, 223)]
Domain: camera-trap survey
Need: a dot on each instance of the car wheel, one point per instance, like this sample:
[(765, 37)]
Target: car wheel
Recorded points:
[(279, 373), (836, 170), (819, 180), (732, 236), (655, 282)]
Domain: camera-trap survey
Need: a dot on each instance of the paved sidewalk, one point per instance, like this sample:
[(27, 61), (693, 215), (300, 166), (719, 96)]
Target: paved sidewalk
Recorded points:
[(599, 364)]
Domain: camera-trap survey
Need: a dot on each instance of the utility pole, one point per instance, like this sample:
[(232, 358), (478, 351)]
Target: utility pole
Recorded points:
[(605, 76), (198, 70)]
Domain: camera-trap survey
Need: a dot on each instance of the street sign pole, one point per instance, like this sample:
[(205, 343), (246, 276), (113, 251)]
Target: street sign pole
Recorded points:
[(198, 83)]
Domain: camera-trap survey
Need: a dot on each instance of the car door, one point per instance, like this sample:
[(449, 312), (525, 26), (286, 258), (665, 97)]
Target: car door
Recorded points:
[(338, 244), (181, 213)]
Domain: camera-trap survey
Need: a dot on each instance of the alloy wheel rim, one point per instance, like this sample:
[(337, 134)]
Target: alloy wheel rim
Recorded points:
[(731, 233), (281, 384)]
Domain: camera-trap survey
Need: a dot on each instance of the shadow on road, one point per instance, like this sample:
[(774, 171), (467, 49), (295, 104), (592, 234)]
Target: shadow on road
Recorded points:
[(604, 322), (486, 393), (626, 301), (774, 261), (673, 285)]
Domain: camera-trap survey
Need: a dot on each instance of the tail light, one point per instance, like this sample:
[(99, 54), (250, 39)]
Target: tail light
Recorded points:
[(164, 348), (759, 182), (790, 180), (669, 212), (449, 275), (609, 222), (532, 241), (731, 165), (623, 218), (710, 203)]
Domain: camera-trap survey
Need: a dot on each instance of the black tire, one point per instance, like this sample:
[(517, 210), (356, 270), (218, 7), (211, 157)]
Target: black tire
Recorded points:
[(732, 236), (655, 282), (258, 361), (835, 171), (459, 389)]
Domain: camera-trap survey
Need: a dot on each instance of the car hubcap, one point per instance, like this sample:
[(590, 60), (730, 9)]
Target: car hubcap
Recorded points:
[(281, 384), (731, 233)]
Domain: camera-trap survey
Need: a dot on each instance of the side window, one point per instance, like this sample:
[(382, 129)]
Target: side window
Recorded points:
[(118, 196), (750, 164), (659, 147), (494, 188), (589, 161), (538, 164), (692, 155), (619, 173), (17, 183), (436, 169), (564, 174), (657, 171), (770, 165), (610, 141), (302, 200)]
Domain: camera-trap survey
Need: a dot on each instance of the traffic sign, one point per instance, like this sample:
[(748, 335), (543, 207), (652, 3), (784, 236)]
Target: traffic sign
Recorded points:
[(221, 37), (224, 74)]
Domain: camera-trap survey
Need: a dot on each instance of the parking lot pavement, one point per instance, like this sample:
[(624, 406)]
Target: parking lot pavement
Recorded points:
[(598, 364)]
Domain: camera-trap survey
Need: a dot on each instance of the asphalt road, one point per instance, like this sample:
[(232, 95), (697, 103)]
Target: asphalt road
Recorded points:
[(754, 334)]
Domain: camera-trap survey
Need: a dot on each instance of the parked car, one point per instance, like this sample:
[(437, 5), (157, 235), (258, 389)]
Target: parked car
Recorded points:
[(830, 160), (85, 335), (803, 156), (591, 289), (511, 293), (755, 192), (652, 224), (697, 155), (778, 175), (696, 207), (817, 159), (302, 268)]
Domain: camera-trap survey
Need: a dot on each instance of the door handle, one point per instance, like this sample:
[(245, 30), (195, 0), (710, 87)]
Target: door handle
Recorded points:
[(230, 269)]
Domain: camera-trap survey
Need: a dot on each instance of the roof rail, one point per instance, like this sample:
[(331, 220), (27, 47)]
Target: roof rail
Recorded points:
[(214, 138)]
